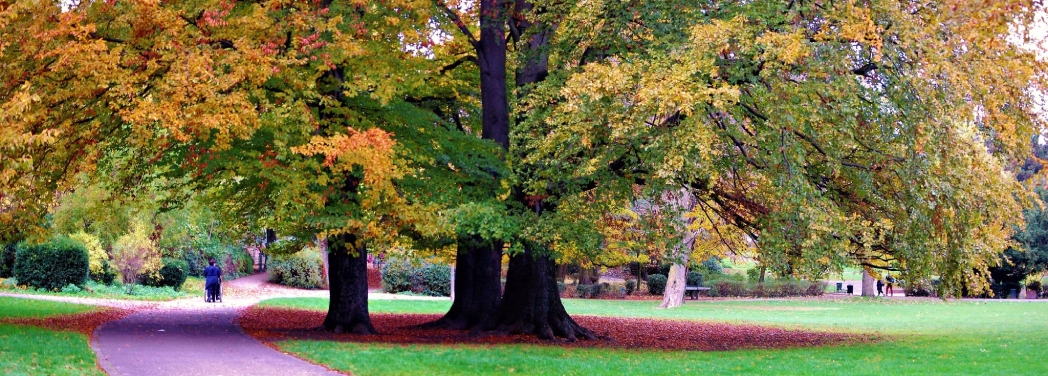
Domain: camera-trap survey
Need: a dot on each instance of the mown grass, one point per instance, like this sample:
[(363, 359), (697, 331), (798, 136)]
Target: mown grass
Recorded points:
[(28, 350), (926, 337)]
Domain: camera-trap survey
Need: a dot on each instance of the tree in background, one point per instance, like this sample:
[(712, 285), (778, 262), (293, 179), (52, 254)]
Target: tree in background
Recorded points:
[(1030, 258), (135, 255)]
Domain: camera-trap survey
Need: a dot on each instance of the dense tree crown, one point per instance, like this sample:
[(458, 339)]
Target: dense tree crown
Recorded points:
[(823, 134)]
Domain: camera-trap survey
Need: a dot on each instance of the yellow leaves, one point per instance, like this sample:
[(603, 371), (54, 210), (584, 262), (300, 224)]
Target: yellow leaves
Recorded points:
[(788, 48)]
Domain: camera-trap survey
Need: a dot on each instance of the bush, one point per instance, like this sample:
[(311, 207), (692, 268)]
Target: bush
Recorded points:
[(561, 287), (435, 279), (592, 291), (7, 260), (777, 289), (426, 279), (233, 260), (96, 255), (713, 265), (52, 265), (106, 276), (1034, 285), (631, 286), (135, 255), (173, 274), (694, 278), (397, 275), (656, 284), (304, 269)]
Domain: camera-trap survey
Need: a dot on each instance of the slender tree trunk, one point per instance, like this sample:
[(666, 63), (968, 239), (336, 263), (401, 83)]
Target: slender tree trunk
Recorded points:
[(478, 285), (532, 302), (868, 288), (682, 201), (562, 272), (348, 308)]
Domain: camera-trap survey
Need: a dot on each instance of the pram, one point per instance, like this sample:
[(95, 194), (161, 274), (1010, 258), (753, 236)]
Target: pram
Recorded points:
[(213, 296)]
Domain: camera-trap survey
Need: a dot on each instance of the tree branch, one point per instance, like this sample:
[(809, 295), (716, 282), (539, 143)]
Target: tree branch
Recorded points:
[(454, 17)]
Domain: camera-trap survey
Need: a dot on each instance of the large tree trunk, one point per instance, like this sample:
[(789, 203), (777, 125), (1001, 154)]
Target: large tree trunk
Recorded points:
[(348, 308), (531, 304), (491, 57), (478, 285), (682, 202), (868, 288)]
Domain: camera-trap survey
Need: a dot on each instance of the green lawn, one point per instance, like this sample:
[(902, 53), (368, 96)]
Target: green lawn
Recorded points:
[(921, 337), (28, 350)]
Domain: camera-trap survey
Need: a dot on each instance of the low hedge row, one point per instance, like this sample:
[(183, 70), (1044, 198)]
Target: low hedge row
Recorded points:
[(52, 265), (426, 278), (773, 289)]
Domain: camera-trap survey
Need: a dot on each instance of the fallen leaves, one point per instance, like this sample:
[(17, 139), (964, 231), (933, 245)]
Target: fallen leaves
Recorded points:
[(274, 324), (85, 323)]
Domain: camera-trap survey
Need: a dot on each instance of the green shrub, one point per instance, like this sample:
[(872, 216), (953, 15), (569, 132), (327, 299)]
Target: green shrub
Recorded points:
[(233, 260), (561, 287), (656, 284), (52, 265), (777, 289), (1034, 286), (435, 279), (694, 278), (7, 260), (106, 275), (172, 274), (397, 275), (304, 269), (71, 288), (631, 286), (427, 279)]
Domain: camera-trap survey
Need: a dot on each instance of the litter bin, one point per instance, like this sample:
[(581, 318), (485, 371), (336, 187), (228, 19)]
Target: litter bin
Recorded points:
[(1013, 294), (851, 290), (839, 285)]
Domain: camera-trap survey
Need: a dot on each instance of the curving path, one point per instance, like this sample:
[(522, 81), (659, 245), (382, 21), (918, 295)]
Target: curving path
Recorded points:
[(190, 337)]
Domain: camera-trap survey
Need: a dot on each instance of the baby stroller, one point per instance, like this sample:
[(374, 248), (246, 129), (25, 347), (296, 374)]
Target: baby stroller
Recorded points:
[(213, 294)]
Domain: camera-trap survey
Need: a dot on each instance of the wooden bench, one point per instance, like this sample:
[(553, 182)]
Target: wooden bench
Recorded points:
[(693, 291)]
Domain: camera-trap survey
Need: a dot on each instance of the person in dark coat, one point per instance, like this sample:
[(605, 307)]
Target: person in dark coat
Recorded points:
[(213, 280)]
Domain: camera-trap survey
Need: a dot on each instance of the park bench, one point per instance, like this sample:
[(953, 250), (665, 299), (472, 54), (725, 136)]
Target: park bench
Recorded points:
[(693, 290)]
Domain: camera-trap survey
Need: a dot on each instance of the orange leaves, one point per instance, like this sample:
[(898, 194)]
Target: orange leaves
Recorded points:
[(372, 149)]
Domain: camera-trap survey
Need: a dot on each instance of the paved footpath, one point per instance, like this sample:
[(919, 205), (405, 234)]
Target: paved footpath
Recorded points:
[(191, 337)]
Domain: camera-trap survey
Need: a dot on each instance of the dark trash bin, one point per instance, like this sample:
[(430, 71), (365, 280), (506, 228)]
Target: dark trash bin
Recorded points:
[(839, 286), (851, 289)]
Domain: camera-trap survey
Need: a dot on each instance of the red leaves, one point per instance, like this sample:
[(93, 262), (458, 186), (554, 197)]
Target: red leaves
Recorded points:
[(85, 323), (277, 324)]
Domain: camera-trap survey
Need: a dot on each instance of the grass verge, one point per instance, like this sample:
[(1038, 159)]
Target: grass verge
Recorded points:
[(26, 350)]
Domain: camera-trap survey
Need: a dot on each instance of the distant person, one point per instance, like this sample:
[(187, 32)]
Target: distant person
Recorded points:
[(891, 281), (213, 281), (880, 287)]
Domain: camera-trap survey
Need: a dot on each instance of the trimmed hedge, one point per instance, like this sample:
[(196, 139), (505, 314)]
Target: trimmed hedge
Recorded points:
[(775, 289), (304, 269), (52, 265), (656, 284), (173, 274), (427, 279)]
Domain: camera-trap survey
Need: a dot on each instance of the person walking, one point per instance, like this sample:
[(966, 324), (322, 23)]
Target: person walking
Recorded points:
[(880, 287), (891, 281), (212, 282)]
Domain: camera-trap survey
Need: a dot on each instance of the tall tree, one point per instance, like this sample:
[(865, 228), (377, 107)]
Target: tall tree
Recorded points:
[(830, 133)]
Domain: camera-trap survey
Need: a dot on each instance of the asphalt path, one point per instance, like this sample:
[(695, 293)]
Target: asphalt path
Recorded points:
[(191, 337)]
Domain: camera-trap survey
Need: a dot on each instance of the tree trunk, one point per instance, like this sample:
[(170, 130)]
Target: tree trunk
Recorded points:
[(348, 309), (562, 272), (478, 287), (531, 304), (868, 288), (491, 57), (584, 277), (673, 296), (682, 201)]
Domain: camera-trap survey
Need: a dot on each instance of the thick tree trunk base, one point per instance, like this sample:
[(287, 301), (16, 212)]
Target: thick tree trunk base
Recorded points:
[(531, 304), (348, 308), (478, 288)]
